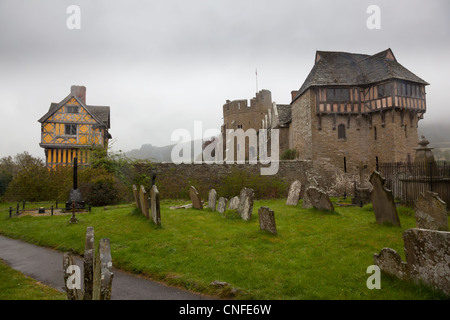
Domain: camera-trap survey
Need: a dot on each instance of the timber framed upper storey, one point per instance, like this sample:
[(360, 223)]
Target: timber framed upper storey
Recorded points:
[(71, 128)]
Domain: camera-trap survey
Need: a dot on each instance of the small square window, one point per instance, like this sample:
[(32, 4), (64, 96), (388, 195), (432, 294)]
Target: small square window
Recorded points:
[(72, 109), (70, 129)]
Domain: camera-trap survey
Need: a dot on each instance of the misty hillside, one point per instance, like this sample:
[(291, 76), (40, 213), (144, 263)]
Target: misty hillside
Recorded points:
[(157, 154), (437, 133)]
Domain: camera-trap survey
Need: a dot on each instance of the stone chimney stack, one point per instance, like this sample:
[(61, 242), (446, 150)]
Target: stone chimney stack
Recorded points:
[(79, 92)]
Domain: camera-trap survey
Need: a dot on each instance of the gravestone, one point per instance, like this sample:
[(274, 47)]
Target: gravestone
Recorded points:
[(72, 292), (267, 220), (246, 203), (318, 199), (427, 259), (143, 198), (222, 205), (383, 201), (361, 190), (155, 206), (89, 257), (195, 198), (234, 203), (98, 273), (431, 212), (212, 197), (136, 197), (103, 273), (294, 193)]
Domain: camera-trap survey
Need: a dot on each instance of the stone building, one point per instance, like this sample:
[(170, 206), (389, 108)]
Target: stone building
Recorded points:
[(71, 128), (351, 108)]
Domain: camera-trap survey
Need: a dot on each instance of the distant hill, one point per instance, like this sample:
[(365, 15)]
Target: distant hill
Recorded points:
[(437, 133), (157, 154)]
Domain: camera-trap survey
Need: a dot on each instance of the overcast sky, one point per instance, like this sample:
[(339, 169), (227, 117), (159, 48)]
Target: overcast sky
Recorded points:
[(161, 65)]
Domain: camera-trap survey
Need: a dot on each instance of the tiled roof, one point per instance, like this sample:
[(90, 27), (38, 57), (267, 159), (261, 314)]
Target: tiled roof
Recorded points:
[(349, 69)]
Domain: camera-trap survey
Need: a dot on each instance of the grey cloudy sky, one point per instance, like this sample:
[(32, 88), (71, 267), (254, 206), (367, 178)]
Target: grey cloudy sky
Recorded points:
[(161, 65)]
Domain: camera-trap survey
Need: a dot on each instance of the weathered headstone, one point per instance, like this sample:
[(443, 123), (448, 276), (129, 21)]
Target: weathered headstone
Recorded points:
[(155, 206), (89, 257), (212, 197), (246, 203), (137, 198), (195, 198), (234, 203), (383, 201), (143, 197), (294, 193), (431, 212), (361, 190), (427, 258), (319, 199), (98, 273), (267, 220), (73, 293), (391, 263), (103, 274), (222, 205)]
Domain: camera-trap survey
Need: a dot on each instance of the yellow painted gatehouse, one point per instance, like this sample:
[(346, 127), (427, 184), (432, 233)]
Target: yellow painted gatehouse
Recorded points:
[(71, 128)]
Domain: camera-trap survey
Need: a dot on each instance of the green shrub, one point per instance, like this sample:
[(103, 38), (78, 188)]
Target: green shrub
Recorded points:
[(289, 154)]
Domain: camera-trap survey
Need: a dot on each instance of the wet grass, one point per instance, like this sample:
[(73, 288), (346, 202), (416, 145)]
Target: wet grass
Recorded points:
[(315, 255)]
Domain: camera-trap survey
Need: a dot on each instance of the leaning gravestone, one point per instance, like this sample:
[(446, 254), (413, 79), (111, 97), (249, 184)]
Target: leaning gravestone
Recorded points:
[(383, 201), (234, 203), (222, 205), (431, 212), (267, 220), (155, 206), (319, 199), (195, 198), (144, 202), (136, 197), (98, 273), (246, 203), (294, 193), (212, 197)]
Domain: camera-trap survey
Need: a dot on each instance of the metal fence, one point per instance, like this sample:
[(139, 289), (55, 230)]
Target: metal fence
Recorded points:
[(408, 180)]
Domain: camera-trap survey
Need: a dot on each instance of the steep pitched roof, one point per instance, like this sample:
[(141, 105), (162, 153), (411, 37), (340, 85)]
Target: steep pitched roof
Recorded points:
[(348, 69), (284, 114), (99, 113)]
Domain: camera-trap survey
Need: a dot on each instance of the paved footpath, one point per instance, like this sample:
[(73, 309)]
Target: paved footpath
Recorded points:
[(46, 266)]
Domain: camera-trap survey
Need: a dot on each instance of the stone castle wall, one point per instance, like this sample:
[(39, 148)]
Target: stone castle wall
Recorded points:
[(393, 142)]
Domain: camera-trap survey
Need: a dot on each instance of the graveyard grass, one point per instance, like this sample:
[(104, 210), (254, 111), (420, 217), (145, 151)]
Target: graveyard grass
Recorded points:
[(315, 255), (15, 286)]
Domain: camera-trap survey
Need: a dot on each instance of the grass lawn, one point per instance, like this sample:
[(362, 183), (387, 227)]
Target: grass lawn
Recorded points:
[(15, 286), (315, 255)]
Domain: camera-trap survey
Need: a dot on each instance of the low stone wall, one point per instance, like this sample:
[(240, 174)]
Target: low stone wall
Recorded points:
[(174, 180)]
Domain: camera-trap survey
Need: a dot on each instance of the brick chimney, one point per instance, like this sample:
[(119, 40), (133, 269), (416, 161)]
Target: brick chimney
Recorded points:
[(79, 92)]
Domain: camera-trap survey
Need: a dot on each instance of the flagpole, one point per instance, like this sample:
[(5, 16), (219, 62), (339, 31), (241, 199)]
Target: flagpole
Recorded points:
[(256, 73)]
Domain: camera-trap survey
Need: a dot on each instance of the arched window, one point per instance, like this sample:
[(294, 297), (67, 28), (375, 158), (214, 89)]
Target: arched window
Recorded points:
[(341, 131)]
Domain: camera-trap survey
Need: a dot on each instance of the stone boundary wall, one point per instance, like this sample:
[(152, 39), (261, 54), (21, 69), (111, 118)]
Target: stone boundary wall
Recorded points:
[(174, 180)]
